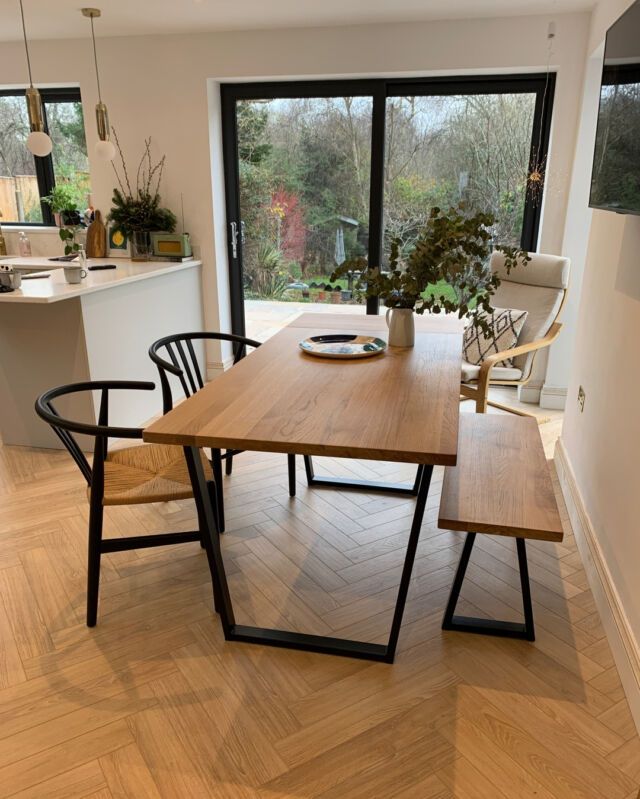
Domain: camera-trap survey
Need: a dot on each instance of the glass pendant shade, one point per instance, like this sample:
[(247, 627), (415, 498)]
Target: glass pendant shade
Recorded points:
[(105, 150), (39, 143)]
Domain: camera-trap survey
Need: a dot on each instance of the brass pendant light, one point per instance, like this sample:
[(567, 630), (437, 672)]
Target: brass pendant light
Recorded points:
[(38, 142), (104, 146)]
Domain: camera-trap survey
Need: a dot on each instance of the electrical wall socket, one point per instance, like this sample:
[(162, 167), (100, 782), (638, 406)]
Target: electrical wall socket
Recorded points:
[(581, 398)]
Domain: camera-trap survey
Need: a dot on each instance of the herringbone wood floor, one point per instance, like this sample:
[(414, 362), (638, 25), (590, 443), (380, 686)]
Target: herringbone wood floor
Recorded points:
[(153, 703)]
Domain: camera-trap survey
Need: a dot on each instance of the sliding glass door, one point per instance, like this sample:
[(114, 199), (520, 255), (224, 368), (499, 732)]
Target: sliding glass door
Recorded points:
[(318, 173)]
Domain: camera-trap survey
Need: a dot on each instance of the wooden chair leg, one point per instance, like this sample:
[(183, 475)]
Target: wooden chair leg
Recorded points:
[(481, 403), (517, 411), (96, 513), (216, 463)]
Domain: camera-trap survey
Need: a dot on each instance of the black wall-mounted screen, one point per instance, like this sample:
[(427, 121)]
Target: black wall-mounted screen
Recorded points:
[(615, 180)]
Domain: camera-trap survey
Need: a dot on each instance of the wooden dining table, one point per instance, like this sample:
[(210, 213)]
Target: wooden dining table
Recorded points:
[(401, 406)]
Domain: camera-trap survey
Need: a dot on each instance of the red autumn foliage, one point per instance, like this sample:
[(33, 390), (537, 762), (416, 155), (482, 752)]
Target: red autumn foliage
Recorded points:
[(286, 206)]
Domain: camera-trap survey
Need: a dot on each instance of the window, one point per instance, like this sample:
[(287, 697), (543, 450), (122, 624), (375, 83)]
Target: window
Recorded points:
[(320, 171), (25, 179)]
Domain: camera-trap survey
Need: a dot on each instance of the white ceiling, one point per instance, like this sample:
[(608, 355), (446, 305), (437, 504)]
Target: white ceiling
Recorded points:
[(62, 19)]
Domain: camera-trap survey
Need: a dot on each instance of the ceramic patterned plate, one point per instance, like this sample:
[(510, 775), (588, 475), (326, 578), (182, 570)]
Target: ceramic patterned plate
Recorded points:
[(343, 345)]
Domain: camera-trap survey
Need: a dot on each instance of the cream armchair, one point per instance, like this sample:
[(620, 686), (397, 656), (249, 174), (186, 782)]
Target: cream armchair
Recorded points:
[(540, 288)]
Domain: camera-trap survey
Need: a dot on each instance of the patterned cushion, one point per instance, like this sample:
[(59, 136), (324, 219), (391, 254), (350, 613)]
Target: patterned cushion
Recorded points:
[(506, 324)]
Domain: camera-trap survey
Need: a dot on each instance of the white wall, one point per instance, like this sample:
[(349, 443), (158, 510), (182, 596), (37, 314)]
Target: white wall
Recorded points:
[(575, 240), (164, 86), (601, 447)]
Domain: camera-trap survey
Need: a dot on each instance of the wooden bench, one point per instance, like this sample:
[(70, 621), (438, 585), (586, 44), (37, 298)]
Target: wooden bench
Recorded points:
[(501, 485)]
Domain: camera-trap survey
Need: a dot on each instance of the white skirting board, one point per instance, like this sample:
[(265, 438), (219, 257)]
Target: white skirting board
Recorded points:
[(530, 393), (215, 368), (553, 397), (624, 647)]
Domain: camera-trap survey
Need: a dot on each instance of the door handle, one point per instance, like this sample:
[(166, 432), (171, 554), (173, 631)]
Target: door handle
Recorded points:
[(234, 240)]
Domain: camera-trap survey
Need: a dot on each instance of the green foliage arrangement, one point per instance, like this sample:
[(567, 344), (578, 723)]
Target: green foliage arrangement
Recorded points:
[(68, 236), (63, 198), (453, 248), (139, 210)]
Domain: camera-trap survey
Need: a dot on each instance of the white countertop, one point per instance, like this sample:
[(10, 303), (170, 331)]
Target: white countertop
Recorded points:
[(30, 263), (54, 288)]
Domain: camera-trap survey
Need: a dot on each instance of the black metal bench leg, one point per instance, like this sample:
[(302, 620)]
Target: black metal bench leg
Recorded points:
[(530, 633), (228, 467), (470, 624), (216, 463), (291, 462), (457, 582), (96, 513)]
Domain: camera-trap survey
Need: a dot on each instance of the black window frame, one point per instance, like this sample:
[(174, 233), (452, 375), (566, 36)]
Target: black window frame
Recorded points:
[(541, 84), (44, 166)]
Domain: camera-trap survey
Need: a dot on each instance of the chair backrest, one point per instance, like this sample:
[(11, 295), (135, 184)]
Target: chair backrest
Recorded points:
[(538, 287), (175, 355), (102, 432)]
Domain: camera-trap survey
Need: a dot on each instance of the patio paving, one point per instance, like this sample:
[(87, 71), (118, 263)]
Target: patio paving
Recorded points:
[(263, 318)]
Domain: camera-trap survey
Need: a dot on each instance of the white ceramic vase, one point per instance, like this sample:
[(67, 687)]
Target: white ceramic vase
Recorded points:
[(402, 331)]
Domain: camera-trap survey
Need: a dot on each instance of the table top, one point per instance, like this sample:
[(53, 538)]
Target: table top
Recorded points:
[(399, 406), (55, 288)]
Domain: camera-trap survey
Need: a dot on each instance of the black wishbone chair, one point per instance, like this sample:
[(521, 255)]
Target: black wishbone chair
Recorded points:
[(179, 359), (130, 476)]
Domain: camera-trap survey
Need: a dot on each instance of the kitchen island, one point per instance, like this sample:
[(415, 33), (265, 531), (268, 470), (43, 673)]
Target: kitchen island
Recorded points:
[(53, 333)]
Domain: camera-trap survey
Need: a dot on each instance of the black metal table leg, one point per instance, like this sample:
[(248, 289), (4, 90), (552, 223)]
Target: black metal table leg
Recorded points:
[(291, 462), (216, 464), (346, 483), (208, 520), (293, 640), (472, 624)]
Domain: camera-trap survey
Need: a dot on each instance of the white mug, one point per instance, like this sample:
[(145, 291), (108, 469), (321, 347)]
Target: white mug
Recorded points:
[(401, 327), (73, 273)]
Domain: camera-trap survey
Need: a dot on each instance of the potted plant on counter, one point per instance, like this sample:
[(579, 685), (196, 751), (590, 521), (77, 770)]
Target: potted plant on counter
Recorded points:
[(447, 271), (63, 201), (137, 210)]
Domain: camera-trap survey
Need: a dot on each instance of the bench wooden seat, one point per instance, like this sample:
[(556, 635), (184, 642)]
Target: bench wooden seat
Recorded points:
[(501, 485)]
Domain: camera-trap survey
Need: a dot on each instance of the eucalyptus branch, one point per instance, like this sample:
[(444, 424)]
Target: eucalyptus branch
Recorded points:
[(453, 250)]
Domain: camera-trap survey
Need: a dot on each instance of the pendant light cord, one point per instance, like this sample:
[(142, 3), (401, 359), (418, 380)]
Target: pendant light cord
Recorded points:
[(26, 45), (550, 37), (95, 58)]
